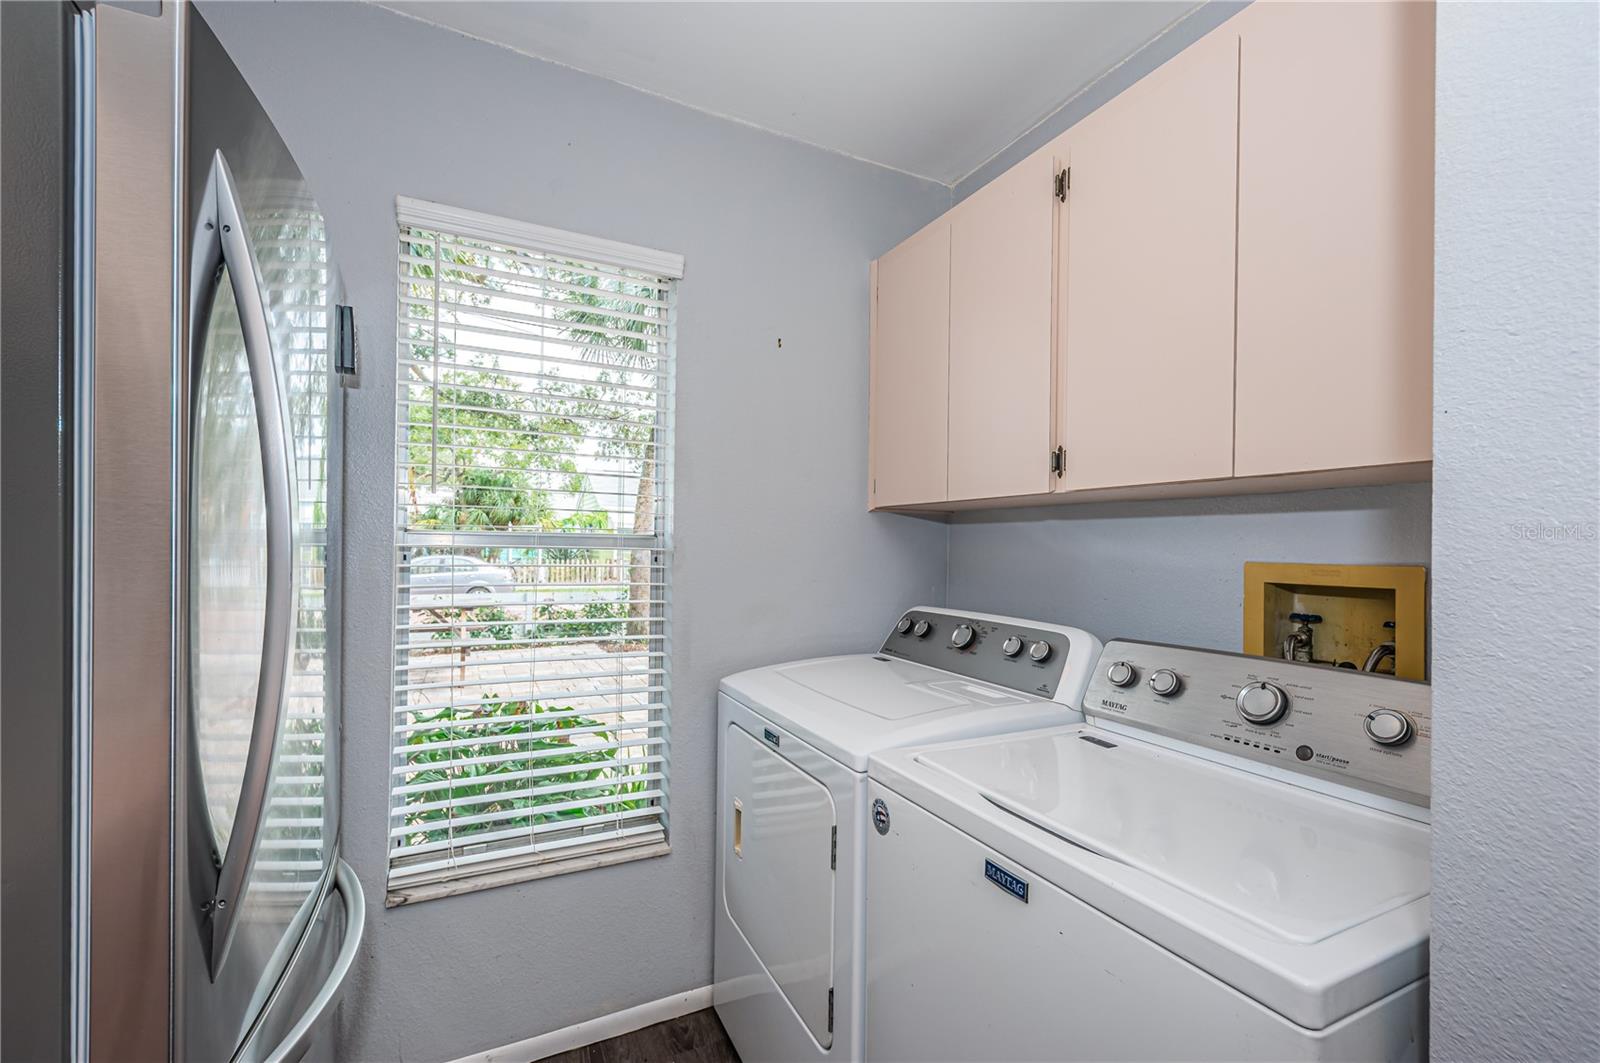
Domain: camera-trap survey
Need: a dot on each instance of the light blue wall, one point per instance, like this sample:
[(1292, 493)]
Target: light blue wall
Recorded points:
[(1516, 839), (1171, 571), (776, 555)]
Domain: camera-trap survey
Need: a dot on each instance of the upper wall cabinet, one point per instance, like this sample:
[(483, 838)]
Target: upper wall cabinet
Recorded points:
[(1001, 242), (1335, 236), (1146, 276), (1220, 281), (910, 385)]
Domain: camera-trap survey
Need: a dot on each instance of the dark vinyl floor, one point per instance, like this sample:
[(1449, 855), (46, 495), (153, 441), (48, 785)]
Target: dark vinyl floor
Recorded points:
[(694, 1038)]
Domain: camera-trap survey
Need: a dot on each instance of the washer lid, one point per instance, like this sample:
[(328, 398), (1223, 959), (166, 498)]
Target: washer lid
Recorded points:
[(1299, 865), (850, 707)]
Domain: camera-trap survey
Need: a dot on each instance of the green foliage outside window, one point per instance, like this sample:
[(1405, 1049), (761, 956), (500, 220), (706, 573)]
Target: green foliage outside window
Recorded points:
[(464, 774)]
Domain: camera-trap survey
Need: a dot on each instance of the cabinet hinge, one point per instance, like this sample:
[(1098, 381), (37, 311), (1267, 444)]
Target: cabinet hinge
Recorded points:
[(833, 850), (830, 1009), (1063, 183), (1058, 461)]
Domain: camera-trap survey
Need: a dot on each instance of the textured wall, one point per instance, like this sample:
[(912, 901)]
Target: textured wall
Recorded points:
[(776, 554), (1516, 875), (1171, 571)]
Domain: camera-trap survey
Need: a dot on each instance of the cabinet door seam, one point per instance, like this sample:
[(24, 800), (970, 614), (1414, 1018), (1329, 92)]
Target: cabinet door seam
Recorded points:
[(1238, 158)]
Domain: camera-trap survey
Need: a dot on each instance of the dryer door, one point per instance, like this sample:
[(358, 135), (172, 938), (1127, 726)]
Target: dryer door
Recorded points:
[(778, 873)]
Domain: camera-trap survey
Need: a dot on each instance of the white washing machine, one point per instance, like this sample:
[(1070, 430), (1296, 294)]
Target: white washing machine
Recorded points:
[(793, 741), (1228, 860)]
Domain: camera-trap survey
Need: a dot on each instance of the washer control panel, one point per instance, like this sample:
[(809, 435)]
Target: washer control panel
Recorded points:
[(1369, 731), (1006, 654)]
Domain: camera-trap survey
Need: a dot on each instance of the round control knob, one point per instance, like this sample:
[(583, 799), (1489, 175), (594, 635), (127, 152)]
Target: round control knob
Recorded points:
[(1165, 682), (962, 636), (904, 626), (921, 629), (1122, 674), (1040, 651), (1388, 727), (1261, 703), (1011, 646)]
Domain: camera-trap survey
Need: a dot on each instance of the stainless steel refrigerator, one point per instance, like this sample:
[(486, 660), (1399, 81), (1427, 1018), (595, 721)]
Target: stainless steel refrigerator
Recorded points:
[(203, 912)]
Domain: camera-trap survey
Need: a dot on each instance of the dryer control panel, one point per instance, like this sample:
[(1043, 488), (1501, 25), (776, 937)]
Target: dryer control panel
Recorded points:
[(1003, 652), (1373, 732)]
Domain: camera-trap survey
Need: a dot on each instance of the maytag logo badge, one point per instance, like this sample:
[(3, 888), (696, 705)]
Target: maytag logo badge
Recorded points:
[(1013, 885), (1107, 703), (770, 736), (880, 816)]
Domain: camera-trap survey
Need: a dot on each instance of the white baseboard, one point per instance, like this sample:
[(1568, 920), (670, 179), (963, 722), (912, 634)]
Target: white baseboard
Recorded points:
[(587, 1033)]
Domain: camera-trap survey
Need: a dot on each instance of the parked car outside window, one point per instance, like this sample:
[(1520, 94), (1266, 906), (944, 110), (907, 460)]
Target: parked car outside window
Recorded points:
[(437, 580)]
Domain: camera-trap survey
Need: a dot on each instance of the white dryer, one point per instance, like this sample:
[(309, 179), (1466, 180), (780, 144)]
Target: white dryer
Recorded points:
[(1228, 860), (793, 742)]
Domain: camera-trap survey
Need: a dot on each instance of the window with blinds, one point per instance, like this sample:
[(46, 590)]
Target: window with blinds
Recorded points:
[(534, 470)]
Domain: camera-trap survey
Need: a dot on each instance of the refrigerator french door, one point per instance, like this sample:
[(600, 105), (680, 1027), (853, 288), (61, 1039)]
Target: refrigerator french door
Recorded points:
[(213, 918)]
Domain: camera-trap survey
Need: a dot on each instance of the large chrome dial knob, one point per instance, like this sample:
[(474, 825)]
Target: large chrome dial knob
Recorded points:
[(1040, 651), (1388, 727), (921, 629), (1261, 703), (1012, 645), (1122, 674), (904, 626), (962, 636), (1165, 682)]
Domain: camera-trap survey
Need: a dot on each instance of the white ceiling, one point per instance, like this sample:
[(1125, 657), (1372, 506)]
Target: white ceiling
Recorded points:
[(934, 89)]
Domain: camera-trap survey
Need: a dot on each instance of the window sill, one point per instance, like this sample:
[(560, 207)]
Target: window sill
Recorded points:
[(428, 889)]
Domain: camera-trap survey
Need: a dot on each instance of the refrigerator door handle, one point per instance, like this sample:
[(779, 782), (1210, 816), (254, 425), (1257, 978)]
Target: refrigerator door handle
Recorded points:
[(299, 1038), (222, 239)]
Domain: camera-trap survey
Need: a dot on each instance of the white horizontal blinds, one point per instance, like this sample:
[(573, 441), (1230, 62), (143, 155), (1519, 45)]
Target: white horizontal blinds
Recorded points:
[(289, 238), (533, 459)]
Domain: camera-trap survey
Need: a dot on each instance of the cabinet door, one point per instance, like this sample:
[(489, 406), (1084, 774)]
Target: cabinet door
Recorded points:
[(1147, 261), (1001, 258), (1335, 236), (910, 386)]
